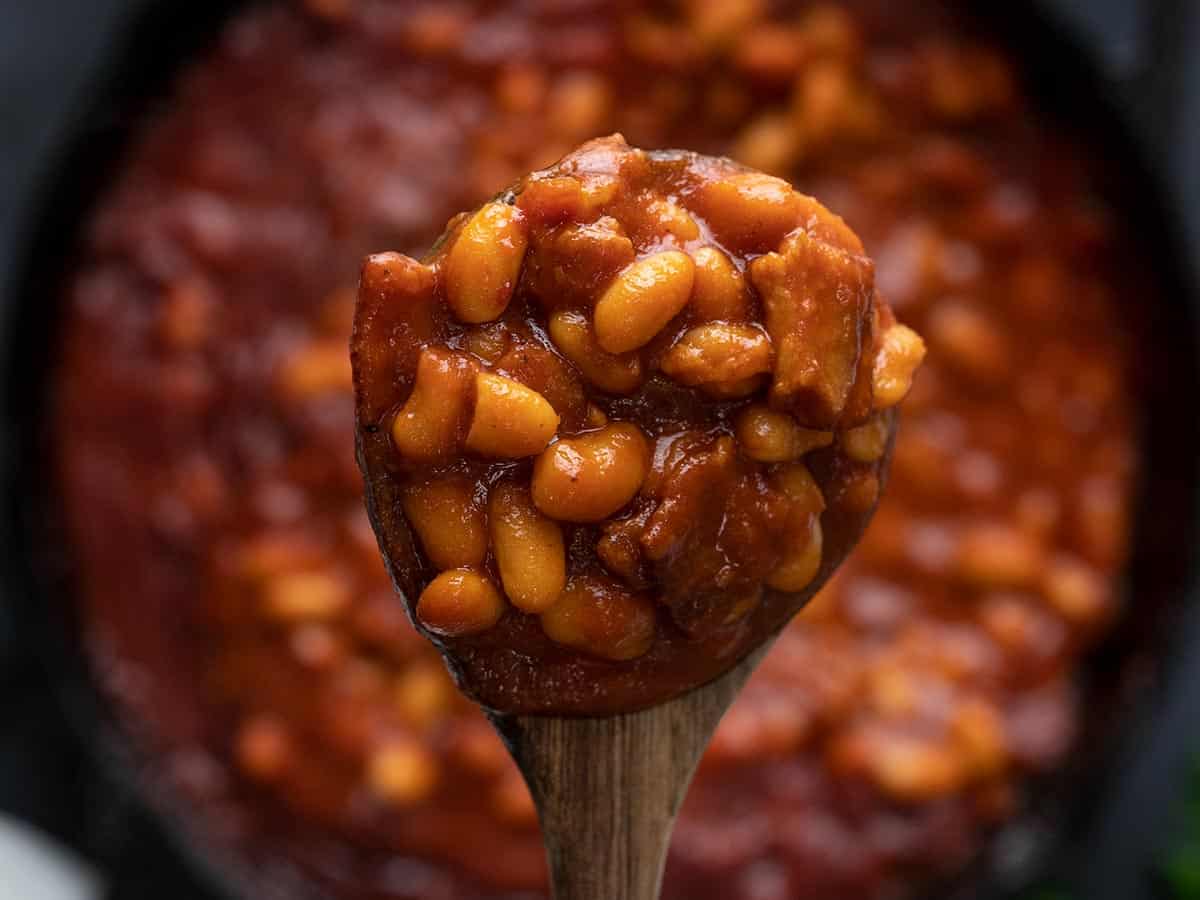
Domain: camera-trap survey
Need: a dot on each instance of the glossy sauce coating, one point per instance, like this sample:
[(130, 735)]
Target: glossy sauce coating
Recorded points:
[(232, 592), (638, 548)]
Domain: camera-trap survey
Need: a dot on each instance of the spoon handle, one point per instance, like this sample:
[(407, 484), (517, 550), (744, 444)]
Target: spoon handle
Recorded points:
[(608, 790)]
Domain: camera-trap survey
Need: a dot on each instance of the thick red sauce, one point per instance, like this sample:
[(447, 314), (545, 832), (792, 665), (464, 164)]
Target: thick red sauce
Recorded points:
[(234, 600)]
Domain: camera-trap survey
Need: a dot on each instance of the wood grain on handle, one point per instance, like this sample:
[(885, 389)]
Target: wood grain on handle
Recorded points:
[(608, 790)]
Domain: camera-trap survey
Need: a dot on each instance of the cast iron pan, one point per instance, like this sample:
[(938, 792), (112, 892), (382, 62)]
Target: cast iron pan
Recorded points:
[(1121, 680)]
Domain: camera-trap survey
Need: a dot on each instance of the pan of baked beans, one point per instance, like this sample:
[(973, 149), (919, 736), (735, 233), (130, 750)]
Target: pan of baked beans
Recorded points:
[(195, 554)]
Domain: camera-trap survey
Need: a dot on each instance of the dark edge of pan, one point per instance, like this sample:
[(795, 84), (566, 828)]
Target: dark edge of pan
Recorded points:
[(1127, 675), (136, 75)]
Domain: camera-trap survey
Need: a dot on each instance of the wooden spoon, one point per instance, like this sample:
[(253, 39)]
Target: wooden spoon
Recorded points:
[(608, 744), (608, 790)]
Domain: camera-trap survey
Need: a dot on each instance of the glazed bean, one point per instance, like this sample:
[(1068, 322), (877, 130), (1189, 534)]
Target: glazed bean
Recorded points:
[(481, 268), (643, 299), (1076, 591), (264, 748), (459, 602), (750, 211), (305, 596), (718, 353), (403, 772), (572, 333), (979, 734), (900, 354), (321, 367), (424, 694), (718, 289), (868, 442), (913, 769), (997, 555), (801, 563), (510, 419), (590, 477), (800, 487), (772, 437), (770, 142), (431, 423), (447, 520), (528, 547), (671, 220), (803, 534), (599, 616)]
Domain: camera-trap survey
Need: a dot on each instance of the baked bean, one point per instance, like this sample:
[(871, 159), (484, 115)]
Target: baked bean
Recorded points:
[(717, 22), (264, 748), (482, 266), (667, 219), (590, 477), (979, 733), (900, 354), (317, 647), (424, 694), (448, 521), (737, 389), (661, 44), (803, 535), (643, 299), (750, 211), (579, 105), (274, 552), (188, 315), (305, 596), (771, 143), (913, 769), (402, 772), (830, 105), (1076, 591), (572, 334), (433, 420), (521, 88), (320, 367), (798, 484), (600, 617), (867, 443), (718, 353), (892, 691), (966, 339), (510, 419), (801, 562), (996, 555), (528, 547), (773, 437), (595, 417), (718, 288), (459, 602), (861, 492), (770, 52)]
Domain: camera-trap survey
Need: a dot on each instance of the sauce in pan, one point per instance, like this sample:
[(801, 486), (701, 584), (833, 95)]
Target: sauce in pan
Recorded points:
[(234, 599)]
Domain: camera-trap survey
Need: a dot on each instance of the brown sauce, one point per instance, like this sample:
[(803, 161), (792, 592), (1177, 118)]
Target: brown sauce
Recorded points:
[(234, 600)]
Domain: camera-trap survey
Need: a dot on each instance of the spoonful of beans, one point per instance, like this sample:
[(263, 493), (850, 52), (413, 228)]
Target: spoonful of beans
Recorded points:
[(617, 428)]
